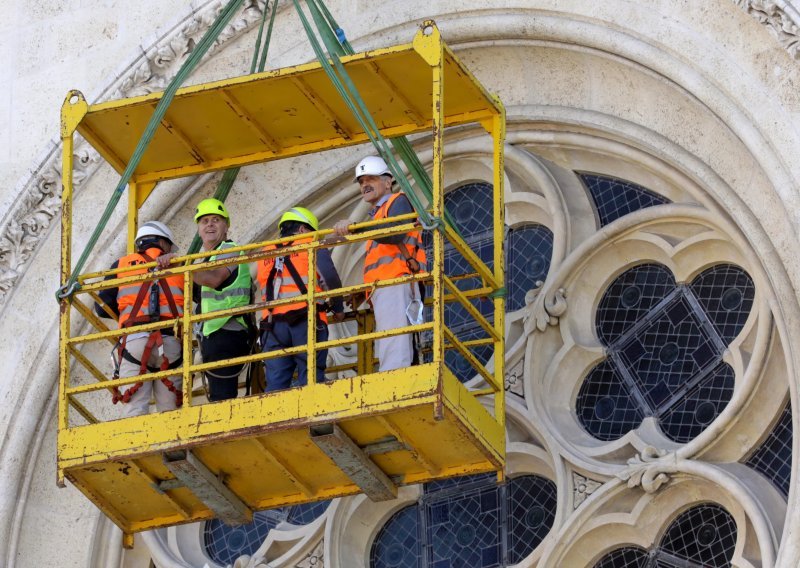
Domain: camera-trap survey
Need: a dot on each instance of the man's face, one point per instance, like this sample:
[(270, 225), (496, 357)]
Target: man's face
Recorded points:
[(212, 230), (374, 187)]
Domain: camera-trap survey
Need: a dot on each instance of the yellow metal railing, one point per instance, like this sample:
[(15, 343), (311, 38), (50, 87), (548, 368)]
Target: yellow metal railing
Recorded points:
[(445, 339)]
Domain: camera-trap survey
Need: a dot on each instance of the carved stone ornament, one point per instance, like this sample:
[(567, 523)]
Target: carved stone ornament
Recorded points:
[(542, 310), (782, 22), (315, 558), (39, 201), (514, 382), (650, 469), (582, 488)]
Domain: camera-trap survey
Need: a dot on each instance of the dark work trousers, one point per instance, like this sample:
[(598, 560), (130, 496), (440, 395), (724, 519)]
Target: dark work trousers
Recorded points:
[(279, 371), (224, 344)]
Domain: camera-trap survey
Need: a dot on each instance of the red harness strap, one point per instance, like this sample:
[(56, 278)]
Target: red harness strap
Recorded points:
[(155, 339)]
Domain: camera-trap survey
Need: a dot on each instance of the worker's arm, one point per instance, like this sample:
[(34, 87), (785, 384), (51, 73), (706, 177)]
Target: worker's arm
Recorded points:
[(217, 277), (212, 278), (400, 206), (109, 296), (327, 271)]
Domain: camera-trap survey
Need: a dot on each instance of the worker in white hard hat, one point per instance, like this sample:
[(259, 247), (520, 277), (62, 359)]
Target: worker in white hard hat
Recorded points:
[(389, 257), (146, 302)]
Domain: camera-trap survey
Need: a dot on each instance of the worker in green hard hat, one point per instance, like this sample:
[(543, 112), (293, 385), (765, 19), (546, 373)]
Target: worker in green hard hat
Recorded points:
[(287, 325)]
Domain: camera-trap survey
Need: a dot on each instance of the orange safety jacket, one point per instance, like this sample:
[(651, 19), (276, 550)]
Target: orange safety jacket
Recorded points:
[(288, 287), (126, 295), (385, 260)]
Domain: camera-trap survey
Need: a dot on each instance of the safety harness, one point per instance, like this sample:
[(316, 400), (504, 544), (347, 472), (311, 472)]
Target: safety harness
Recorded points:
[(154, 340)]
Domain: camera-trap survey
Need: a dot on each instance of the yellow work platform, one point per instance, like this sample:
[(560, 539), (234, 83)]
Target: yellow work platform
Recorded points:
[(413, 427), (370, 433)]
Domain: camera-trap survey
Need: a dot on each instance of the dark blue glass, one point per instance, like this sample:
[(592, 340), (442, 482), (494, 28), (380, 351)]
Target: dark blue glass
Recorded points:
[(773, 458), (628, 557), (224, 543), (665, 344), (469, 521), (614, 198), (529, 250), (702, 537), (398, 544)]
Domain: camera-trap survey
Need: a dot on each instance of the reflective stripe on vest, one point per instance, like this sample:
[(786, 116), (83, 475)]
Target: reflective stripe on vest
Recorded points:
[(385, 261), (126, 295), (288, 287), (233, 296)]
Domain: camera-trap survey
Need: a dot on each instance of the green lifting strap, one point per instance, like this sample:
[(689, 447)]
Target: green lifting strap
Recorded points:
[(161, 108), (229, 177), (336, 43)]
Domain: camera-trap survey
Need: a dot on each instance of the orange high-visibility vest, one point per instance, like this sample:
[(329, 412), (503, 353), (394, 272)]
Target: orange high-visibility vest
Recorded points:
[(387, 260), (126, 295), (288, 287)]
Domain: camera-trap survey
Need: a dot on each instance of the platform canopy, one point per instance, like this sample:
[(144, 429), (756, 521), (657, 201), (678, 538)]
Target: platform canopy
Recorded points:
[(283, 113)]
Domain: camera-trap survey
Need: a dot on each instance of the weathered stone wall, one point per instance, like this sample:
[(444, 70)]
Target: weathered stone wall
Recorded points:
[(697, 101)]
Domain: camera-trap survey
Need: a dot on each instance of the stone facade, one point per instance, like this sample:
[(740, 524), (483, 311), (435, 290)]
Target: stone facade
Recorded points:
[(697, 102)]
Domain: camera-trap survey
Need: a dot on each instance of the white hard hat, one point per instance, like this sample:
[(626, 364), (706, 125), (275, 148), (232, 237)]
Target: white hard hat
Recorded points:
[(372, 166), (154, 229)]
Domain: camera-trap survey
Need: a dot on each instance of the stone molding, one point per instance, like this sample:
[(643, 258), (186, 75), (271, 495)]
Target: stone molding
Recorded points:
[(583, 487), (28, 221), (781, 19)]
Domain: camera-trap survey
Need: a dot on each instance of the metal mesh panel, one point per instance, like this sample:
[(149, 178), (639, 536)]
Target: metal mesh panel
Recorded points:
[(224, 543), (468, 521), (726, 293), (665, 345), (702, 537), (398, 544), (531, 511), (458, 484), (605, 406), (307, 512), (465, 530), (773, 458), (471, 208), (699, 407), (614, 198), (529, 252), (630, 297), (628, 557), (663, 356), (705, 534)]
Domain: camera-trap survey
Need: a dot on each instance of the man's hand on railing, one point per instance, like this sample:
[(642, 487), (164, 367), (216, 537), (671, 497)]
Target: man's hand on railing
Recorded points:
[(341, 228), (164, 260)]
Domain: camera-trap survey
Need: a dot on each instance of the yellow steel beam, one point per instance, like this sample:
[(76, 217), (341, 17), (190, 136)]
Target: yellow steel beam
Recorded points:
[(73, 110), (294, 477), (498, 205), (472, 258), (322, 108), (418, 456), (472, 310), (261, 132), (467, 354), (89, 315), (88, 365), (133, 216), (82, 410)]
